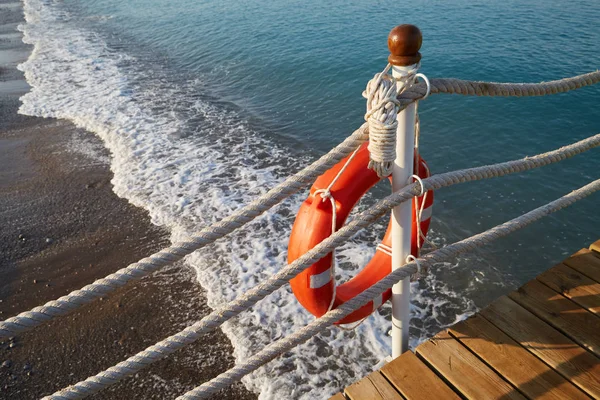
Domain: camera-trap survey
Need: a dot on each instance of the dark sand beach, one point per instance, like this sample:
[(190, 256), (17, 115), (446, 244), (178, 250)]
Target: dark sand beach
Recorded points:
[(62, 227)]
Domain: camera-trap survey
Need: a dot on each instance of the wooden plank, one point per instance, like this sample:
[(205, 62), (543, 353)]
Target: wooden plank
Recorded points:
[(574, 363), (575, 286), (414, 380), (471, 377), (595, 246), (372, 387), (586, 262), (563, 314), (338, 396), (518, 366)]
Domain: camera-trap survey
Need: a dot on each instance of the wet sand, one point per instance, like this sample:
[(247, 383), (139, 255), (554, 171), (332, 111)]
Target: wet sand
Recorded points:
[(62, 227)]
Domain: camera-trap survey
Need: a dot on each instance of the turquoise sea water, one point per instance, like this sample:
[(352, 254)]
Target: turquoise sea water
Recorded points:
[(204, 104)]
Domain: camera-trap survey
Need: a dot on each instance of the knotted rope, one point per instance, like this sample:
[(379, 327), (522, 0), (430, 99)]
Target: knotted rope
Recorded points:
[(382, 110), (382, 106)]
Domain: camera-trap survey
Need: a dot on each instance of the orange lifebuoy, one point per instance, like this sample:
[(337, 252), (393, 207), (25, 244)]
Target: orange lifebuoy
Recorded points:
[(315, 287)]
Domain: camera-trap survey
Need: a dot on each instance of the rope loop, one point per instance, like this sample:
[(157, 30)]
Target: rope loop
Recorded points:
[(421, 270), (428, 91), (325, 194), (418, 179)]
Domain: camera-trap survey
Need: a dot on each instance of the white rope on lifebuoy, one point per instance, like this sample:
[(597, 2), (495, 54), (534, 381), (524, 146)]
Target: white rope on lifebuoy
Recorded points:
[(325, 195), (419, 208)]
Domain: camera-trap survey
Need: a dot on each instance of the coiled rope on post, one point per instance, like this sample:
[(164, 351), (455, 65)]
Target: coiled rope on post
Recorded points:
[(475, 88), (382, 111), (30, 319), (281, 346), (219, 316)]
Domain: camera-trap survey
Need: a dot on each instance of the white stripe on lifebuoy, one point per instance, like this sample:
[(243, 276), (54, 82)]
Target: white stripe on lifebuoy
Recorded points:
[(384, 249), (320, 280)]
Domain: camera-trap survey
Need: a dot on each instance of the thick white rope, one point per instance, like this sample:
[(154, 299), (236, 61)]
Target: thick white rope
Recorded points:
[(473, 243), (216, 318), (381, 115), (30, 319), (474, 88), (381, 93)]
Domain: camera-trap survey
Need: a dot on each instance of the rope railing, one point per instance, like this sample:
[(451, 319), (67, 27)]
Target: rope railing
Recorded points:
[(472, 243), (30, 319), (216, 318), (496, 89)]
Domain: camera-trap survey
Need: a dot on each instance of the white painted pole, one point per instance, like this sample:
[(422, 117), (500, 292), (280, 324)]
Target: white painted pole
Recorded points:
[(404, 49), (402, 227)]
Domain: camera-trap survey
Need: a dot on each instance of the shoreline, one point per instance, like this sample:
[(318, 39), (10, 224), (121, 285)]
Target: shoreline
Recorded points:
[(63, 227)]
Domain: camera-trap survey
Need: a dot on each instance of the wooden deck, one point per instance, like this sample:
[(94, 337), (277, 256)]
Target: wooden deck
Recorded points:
[(541, 341)]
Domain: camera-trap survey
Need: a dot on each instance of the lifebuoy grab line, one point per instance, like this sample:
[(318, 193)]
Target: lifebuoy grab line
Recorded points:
[(332, 197)]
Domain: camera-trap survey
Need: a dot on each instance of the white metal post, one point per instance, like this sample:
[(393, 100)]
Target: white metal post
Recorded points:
[(404, 42), (402, 220)]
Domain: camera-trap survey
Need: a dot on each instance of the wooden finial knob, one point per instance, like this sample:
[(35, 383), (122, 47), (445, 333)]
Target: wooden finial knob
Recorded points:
[(404, 42)]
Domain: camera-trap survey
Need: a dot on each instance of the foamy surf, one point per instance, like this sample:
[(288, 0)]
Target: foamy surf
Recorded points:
[(191, 162)]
